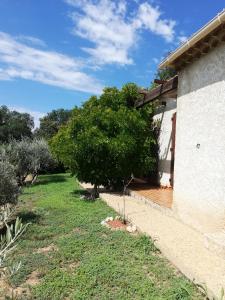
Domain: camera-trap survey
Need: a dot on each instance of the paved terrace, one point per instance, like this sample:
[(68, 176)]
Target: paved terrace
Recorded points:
[(182, 245)]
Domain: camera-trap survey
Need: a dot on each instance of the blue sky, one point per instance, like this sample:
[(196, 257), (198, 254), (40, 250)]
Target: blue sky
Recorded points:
[(56, 53)]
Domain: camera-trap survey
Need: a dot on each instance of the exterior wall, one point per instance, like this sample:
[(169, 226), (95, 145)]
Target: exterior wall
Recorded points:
[(199, 184), (163, 116)]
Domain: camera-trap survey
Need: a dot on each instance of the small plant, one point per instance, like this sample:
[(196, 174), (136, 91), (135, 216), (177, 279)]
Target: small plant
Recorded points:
[(124, 197), (8, 240), (7, 244), (117, 222), (203, 288), (6, 212)]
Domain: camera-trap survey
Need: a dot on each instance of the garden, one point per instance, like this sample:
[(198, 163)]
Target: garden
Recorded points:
[(56, 241), (65, 253)]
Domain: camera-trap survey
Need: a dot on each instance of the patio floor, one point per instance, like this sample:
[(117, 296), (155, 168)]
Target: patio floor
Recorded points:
[(158, 195)]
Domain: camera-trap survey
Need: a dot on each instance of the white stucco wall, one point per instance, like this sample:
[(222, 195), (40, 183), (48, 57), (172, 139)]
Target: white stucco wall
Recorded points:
[(199, 187), (163, 117)]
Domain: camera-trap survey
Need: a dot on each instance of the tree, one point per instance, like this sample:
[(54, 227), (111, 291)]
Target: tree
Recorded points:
[(163, 74), (8, 185), (107, 139), (14, 125), (50, 124), (28, 157)]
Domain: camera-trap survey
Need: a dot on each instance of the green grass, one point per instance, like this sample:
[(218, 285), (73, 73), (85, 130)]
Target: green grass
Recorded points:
[(89, 261)]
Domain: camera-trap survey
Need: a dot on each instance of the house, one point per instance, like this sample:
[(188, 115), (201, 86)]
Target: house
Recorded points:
[(192, 129)]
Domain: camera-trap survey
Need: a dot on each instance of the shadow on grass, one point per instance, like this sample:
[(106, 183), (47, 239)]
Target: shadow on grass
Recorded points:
[(79, 192), (29, 217), (84, 195), (47, 179)]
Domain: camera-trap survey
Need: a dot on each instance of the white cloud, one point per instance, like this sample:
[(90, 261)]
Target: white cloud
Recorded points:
[(182, 38), (105, 26), (17, 60), (31, 40), (35, 114), (149, 17), (113, 30)]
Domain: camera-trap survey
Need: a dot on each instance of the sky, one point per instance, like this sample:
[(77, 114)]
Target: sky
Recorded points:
[(57, 53)]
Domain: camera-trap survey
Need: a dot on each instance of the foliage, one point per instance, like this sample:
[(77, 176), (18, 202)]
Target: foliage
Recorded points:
[(90, 261), (8, 242), (14, 125), (28, 157), (8, 185), (50, 124), (163, 74), (107, 140)]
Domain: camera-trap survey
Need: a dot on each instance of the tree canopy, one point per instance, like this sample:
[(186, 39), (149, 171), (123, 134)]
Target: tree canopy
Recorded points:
[(14, 125), (50, 124), (163, 74), (27, 156), (107, 139)]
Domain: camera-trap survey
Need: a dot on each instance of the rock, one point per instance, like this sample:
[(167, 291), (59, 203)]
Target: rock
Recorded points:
[(131, 228)]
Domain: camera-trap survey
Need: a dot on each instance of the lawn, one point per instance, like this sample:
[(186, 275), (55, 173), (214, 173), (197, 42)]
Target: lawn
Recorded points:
[(67, 254)]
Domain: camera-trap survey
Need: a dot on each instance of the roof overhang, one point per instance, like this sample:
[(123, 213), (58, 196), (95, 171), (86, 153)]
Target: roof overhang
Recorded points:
[(199, 44), (166, 89)]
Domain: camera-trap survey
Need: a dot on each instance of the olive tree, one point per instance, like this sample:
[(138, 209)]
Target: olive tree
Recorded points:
[(28, 157), (107, 139), (8, 185)]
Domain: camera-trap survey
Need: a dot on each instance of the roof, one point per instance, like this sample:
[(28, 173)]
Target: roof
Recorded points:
[(198, 44), (167, 88)]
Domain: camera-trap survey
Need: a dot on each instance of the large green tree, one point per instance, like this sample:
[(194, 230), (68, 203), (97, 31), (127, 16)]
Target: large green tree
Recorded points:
[(14, 125), (50, 124), (107, 139)]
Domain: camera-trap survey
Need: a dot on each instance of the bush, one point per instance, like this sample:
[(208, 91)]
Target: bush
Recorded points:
[(8, 185), (28, 157)]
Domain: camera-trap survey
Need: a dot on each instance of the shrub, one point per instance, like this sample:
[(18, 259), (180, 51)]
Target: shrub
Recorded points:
[(28, 157), (8, 185)]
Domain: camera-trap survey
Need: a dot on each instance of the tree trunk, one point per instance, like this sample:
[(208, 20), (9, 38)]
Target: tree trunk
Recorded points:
[(34, 178), (95, 193)]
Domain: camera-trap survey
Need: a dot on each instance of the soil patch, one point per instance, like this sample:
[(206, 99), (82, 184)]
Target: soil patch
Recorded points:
[(33, 279), (46, 250), (23, 290), (79, 230), (117, 225), (74, 265)]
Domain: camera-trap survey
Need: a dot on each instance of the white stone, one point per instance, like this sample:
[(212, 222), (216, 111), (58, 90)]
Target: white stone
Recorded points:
[(131, 228)]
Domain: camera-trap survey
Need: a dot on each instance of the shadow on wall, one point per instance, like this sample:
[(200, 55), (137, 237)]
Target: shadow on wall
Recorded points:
[(163, 164), (207, 70)]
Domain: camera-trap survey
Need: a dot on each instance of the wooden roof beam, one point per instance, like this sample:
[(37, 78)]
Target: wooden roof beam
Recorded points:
[(160, 90)]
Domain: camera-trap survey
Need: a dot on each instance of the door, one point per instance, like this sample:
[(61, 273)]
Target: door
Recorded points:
[(172, 149)]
